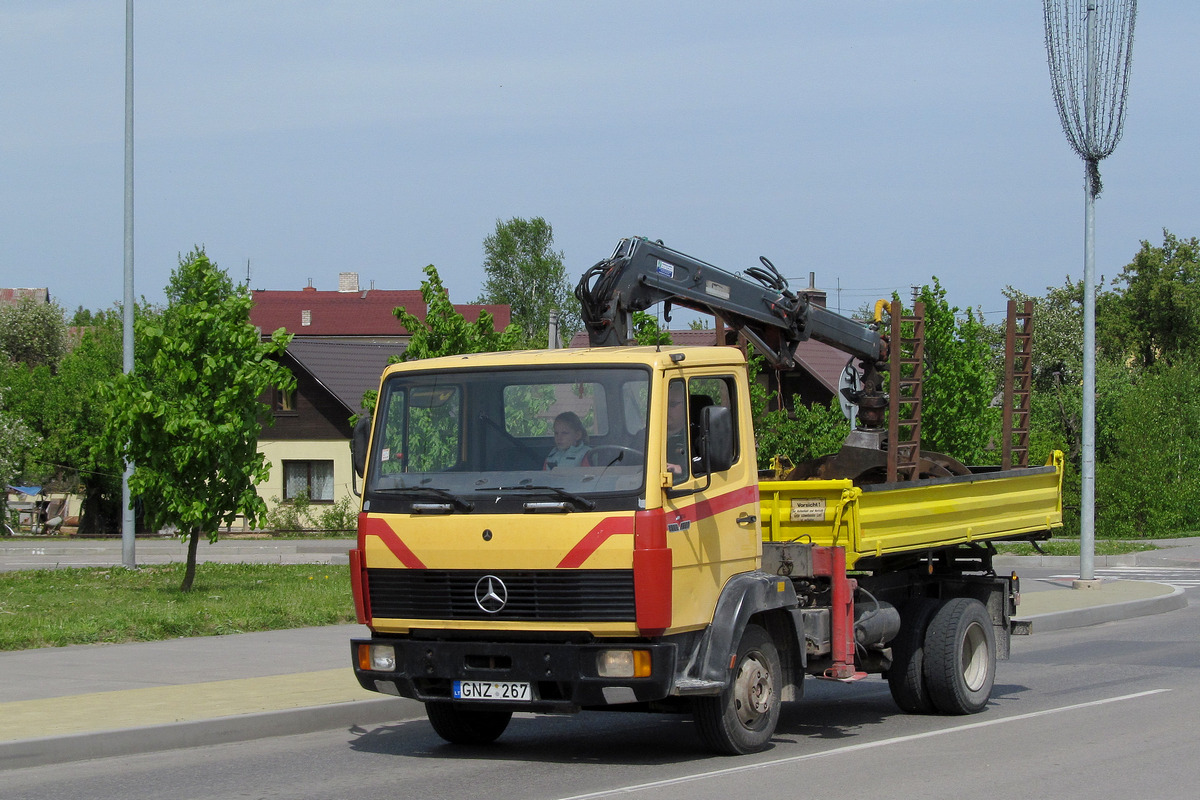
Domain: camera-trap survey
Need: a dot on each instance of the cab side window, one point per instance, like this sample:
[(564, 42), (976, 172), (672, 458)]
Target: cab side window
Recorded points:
[(685, 408), (704, 392)]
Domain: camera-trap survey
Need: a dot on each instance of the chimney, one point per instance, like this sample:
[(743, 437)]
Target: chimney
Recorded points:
[(310, 287), (817, 297), (347, 281)]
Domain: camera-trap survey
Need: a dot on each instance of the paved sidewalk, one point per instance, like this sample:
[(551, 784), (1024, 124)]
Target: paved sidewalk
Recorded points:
[(72, 703), (89, 701), (52, 552)]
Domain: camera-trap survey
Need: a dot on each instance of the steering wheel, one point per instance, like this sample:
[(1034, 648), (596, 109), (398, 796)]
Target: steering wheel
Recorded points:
[(621, 453)]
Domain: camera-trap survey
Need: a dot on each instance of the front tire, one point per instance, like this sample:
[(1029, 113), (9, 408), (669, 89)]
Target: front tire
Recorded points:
[(459, 725), (743, 717), (960, 657)]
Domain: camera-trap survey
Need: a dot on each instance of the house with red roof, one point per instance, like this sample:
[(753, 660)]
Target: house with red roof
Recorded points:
[(351, 313)]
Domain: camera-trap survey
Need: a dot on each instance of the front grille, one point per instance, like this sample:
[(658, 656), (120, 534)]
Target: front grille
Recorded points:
[(543, 595)]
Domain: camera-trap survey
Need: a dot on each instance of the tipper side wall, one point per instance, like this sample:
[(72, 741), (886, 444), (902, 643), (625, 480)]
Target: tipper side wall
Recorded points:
[(885, 519)]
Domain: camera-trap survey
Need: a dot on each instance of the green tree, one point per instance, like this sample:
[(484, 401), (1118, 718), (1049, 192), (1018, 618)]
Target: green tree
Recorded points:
[(24, 389), (646, 330), (960, 380), (15, 439), (1056, 405), (805, 433), (189, 421), (84, 317), (78, 413), (1146, 466), (68, 413), (32, 332), (526, 273), (1157, 315), (444, 331)]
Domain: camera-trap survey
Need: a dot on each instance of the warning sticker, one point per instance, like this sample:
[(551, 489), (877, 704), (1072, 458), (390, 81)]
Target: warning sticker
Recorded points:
[(808, 509), (665, 269)]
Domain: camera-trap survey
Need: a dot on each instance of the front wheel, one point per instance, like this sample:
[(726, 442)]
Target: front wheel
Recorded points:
[(960, 657), (459, 725), (742, 718)]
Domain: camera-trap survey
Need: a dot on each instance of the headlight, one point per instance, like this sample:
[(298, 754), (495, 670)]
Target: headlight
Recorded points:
[(379, 657), (623, 663)]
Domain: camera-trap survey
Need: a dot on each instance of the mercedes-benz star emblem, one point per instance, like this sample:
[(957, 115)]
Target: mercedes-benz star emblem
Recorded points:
[(490, 594)]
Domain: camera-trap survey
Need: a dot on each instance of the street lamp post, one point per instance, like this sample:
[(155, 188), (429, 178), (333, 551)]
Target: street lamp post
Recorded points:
[(128, 529)]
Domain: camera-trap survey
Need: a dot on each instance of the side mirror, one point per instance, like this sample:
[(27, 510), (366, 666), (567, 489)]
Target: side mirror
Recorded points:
[(714, 448), (359, 443), (716, 439)]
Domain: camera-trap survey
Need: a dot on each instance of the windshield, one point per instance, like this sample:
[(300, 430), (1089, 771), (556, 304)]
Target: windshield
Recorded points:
[(554, 439)]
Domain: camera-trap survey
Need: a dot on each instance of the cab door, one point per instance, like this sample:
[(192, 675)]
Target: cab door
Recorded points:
[(711, 517)]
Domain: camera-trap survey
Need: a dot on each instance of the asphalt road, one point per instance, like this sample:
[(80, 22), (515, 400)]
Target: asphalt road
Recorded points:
[(1104, 711)]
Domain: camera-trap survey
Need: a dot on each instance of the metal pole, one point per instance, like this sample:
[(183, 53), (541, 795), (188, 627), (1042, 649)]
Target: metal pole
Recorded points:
[(1087, 500), (1087, 503), (128, 530)]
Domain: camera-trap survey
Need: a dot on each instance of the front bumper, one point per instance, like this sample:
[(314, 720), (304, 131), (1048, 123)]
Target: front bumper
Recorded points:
[(563, 677)]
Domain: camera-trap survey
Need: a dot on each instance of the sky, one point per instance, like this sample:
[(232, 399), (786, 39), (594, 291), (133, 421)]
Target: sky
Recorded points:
[(875, 144)]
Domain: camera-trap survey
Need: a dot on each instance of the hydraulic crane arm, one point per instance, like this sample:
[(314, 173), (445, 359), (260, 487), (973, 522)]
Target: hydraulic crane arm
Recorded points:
[(641, 273)]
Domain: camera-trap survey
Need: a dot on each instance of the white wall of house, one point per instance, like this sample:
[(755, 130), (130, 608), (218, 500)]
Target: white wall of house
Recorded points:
[(317, 453)]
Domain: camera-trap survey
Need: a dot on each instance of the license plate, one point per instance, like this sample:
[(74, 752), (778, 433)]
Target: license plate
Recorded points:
[(512, 691)]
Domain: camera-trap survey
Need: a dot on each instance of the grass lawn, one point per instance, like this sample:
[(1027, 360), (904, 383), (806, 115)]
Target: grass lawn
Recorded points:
[(56, 607), (1070, 547)]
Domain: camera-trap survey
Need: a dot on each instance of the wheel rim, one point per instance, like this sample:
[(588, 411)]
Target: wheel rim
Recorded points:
[(975, 657), (753, 691)]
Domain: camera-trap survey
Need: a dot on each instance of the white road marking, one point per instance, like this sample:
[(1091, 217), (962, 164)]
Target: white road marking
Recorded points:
[(837, 751), (1183, 577)]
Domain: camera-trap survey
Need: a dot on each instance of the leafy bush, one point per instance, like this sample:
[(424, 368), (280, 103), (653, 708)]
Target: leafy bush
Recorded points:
[(1145, 475), (807, 432), (298, 516)]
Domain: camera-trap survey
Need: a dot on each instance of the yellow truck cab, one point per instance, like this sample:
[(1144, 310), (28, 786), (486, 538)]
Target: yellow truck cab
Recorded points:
[(636, 562)]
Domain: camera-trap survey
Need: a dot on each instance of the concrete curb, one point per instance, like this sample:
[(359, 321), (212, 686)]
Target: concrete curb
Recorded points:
[(194, 733), (1064, 562), (1155, 559), (1095, 615)]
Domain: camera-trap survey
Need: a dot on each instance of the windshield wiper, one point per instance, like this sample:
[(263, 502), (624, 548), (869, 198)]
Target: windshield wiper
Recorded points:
[(572, 497), (430, 491)]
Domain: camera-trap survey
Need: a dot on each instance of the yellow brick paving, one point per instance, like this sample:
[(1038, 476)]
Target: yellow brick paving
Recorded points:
[(129, 708)]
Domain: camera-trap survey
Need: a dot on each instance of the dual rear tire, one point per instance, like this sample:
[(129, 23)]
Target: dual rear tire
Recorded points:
[(944, 657)]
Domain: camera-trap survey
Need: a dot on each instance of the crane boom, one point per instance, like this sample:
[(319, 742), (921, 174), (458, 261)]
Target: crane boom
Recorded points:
[(641, 273)]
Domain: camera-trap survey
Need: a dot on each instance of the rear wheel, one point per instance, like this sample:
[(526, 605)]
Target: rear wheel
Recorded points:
[(906, 675), (460, 725), (960, 657), (742, 718)]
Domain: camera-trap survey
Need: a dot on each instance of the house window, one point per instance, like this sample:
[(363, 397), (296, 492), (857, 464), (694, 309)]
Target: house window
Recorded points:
[(314, 477), (283, 402)]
